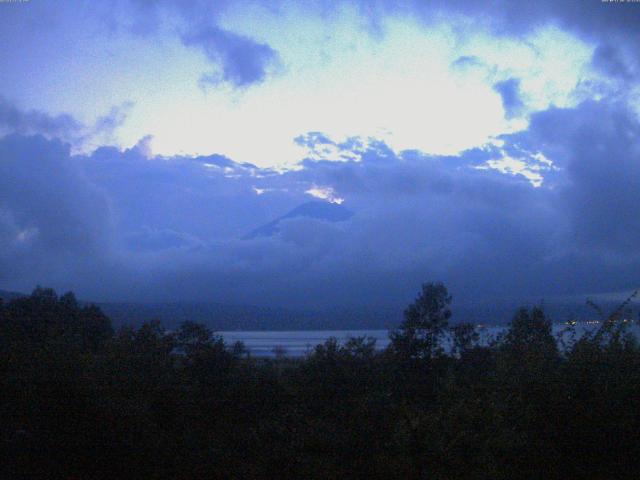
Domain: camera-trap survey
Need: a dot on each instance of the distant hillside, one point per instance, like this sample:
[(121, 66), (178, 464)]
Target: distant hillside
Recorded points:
[(7, 295), (246, 317), (243, 317), (223, 317), (319, 210)]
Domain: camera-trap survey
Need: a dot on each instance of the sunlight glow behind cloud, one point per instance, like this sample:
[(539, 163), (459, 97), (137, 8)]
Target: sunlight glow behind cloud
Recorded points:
[(402, 87), (324, 193)]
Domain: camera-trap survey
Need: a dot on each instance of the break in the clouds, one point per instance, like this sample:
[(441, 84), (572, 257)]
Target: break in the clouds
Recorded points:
[(509, 91), (340, 154)]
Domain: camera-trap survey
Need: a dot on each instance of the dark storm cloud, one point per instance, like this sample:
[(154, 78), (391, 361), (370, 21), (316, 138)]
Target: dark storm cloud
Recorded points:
[(53, 220), (242, 60), (208, 197), (147, 239), (174, 226), (419, 217), (597, 145), (64, 126), (16, 120)]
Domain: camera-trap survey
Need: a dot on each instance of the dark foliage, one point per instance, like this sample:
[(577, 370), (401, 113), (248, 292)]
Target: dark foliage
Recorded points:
[(79, 400)]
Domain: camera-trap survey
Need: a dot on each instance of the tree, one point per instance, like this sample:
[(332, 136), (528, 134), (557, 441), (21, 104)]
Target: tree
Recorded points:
[(425, 322), (44, 319), (530, 337), (193, 338), (463, 338)]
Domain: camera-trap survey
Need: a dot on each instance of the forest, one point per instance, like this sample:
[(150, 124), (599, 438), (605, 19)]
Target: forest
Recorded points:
[(82, 400)]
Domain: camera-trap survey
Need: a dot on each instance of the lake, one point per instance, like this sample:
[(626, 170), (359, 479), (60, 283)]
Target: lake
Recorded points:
[(300, 342), (297, 343)]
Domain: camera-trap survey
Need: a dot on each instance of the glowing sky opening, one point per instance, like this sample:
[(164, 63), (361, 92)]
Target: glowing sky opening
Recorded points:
[(413, 86)]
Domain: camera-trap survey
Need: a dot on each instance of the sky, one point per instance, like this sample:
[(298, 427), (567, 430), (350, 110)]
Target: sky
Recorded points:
[(493, 146)]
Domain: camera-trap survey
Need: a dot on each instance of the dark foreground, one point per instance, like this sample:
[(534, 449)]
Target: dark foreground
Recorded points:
[(79, 400)]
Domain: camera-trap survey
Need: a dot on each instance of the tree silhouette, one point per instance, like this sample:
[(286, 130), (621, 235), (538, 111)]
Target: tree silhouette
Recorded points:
[(425, 322)]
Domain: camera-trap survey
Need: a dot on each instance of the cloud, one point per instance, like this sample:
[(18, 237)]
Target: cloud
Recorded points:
[(590, 18), (107, 124), (173, 226), (64, 126), (599, 23), (597, 146), (237, 60), (242, 61), (147, 239), (52, 220), (610, 61), (13, 119)]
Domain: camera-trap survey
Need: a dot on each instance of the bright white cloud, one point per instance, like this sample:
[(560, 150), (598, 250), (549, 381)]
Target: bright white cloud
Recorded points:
[(324, 193), (341, 71), (400, 87)]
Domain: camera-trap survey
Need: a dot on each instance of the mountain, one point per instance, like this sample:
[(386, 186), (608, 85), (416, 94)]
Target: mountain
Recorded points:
[(225, 317), (7, 295), (222, 317), (318, 210)]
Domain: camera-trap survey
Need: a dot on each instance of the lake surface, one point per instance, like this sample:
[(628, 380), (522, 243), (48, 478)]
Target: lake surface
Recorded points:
[(300, 342)]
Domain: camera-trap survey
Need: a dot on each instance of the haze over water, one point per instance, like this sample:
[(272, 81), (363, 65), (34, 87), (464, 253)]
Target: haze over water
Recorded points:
[(300, 343)]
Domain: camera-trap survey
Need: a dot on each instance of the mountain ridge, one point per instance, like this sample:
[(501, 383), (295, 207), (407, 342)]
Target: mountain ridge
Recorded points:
[(314, 209)]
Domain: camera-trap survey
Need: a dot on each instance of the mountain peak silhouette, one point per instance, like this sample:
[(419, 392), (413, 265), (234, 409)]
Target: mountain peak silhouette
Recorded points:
[(319, 210)]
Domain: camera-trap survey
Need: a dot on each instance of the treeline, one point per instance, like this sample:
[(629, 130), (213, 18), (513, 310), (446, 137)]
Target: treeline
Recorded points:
[(82, 401)]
